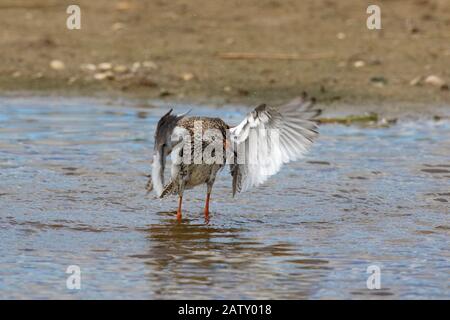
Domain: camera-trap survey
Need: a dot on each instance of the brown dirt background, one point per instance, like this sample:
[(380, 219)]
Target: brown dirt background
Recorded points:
[(182, 36)]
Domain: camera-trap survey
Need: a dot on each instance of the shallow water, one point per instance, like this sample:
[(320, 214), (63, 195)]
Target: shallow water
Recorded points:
[(72, 178)]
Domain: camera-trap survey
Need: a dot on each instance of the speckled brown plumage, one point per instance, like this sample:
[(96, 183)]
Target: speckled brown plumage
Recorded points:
[(266, 139), (197, 174)]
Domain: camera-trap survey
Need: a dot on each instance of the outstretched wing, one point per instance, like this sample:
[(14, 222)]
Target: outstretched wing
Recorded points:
[(163, 147), (269, 137)]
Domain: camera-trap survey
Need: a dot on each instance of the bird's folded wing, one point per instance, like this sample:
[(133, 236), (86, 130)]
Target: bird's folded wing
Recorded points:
[(269, 137)]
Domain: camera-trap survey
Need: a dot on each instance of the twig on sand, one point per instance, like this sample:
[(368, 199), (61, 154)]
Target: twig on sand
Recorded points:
[(275, 56)]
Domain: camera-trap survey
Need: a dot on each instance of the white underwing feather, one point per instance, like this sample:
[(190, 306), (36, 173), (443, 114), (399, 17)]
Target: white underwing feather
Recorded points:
[(296, 131)]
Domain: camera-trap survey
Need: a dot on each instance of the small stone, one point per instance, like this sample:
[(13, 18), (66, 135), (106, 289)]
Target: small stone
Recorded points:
[(227, 88), (100, 76), (88, 67), (120, 68), (104, 76), (341, 36), (359, 64), (187, 76), (57, 65), (16, 74), (435, 81), (104, 66), (135, 67)]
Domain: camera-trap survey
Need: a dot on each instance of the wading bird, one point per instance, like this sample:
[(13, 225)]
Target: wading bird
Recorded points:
[(255, 149)]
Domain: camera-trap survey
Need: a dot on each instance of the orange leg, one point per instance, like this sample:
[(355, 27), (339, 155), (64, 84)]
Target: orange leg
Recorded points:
[(180, 200), (208, 195)]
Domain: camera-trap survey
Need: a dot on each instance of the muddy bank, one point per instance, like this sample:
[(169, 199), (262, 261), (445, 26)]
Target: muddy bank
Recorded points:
[(229, 52)]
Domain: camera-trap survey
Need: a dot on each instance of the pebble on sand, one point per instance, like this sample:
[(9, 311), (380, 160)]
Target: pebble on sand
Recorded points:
[(120, 68), (104, 66), (57, 65), (187, 76), (359, 64), (104, 75), (88, 67), (436, 81), (135, 67), (341, 36)]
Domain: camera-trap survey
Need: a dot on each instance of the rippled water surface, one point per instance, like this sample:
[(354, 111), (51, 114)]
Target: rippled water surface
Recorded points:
[(72, 178)]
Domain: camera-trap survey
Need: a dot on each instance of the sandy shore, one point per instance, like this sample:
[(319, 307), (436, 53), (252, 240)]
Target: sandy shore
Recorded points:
[(221, 52)]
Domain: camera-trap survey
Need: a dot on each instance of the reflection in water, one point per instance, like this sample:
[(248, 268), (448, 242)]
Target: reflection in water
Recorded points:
[(72, 177), (200, 260)]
